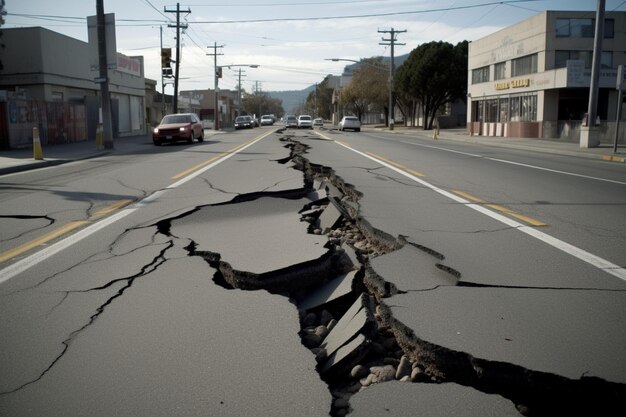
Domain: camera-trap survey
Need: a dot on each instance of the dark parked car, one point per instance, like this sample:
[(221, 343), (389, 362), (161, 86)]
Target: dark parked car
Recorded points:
[(177, 127), (244, 122)]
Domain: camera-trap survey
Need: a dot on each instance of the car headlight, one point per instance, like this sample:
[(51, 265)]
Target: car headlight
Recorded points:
[(182, 129), (156, 130)]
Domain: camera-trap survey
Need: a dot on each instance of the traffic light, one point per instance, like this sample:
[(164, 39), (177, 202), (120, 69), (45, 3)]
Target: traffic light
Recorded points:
[(166, 57), (218, 72)]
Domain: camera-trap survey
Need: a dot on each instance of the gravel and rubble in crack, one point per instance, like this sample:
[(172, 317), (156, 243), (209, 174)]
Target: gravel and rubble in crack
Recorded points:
[(395, 352)]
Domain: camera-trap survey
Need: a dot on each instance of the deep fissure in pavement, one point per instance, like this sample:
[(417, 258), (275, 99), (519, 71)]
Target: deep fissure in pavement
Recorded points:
[(345, 317), (383, 348)]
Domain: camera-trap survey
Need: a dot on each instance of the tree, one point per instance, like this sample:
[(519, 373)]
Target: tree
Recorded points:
[(261, 103), (434, 74), (369, 90), (320, 100)]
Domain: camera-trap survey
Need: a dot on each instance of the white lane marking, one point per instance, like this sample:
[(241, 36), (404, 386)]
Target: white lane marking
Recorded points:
[(37, 257), (557, 171), (581, 254), (505, 161)]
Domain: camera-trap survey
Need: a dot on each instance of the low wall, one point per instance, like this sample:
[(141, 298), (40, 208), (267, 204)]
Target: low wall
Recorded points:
[(57, 122)]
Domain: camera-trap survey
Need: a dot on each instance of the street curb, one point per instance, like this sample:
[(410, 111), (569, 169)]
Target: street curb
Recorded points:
[(46, 163)]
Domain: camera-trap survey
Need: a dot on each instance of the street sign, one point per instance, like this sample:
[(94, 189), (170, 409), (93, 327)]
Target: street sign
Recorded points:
[(100, 80)]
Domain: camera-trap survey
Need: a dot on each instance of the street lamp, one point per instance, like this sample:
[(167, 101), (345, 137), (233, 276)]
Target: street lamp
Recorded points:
[(218, 75)]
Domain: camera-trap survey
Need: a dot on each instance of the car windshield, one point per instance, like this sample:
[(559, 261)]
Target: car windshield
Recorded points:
[(176, 118), (352, 119), (305, 118)]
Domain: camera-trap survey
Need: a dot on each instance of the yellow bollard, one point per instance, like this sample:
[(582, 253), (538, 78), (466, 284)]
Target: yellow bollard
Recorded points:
[(99, 137), (37, 152)]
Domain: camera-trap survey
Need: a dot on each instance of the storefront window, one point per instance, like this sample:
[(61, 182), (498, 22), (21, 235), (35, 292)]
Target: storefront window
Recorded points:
[(524, 108), (504, 110), (491, 111)]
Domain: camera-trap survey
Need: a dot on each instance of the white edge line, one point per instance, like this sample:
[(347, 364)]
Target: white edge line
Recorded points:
[(504, 161), (581, 254), (39, 256), (556, 171)]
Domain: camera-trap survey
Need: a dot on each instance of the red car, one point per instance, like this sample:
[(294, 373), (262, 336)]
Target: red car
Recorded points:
[(176, 127)]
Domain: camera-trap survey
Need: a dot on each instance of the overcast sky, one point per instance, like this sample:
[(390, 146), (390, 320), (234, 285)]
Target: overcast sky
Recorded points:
[(290, 40)]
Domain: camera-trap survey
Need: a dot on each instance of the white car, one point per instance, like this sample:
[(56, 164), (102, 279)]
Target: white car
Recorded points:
[(350, 122), (305, 122), (267, 120), (318, 122)]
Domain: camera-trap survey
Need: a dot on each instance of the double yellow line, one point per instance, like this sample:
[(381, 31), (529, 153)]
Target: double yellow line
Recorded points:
[(60, 231)]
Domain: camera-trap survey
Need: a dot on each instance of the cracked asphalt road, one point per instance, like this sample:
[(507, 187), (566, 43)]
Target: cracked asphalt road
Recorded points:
[(130, 319)]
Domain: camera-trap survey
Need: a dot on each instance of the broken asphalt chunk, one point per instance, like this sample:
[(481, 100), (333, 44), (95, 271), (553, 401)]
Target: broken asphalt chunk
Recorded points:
[(357, 324)]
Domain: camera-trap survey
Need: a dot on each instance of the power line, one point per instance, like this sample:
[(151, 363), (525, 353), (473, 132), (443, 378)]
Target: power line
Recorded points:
[(286, 19)]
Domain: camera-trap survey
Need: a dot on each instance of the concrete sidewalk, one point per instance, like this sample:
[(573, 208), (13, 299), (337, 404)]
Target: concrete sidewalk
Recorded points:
[(16, 160)]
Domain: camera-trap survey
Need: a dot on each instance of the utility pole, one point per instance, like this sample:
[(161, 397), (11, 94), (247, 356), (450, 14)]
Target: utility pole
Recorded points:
[(162, 79), (107, 125), (217, 74), (178, 26), (392, 41), (239, 94)]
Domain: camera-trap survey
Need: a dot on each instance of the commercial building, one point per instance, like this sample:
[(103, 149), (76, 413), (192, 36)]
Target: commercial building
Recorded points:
[(47, 82), (532, 79)]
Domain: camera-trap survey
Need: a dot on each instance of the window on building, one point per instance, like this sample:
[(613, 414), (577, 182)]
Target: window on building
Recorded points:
[(480, 75), (523, 108), (492, 111), (582, 28), (606, 60), (561, 58), (504, 110), (499, 71), (524, 65)]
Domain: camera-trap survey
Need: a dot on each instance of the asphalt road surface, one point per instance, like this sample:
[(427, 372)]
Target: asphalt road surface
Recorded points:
[(306, 272)]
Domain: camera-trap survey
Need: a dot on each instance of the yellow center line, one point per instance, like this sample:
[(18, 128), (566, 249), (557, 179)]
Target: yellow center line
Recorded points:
[(41, 240), (497, 207), (397, 165), (115, 206), (60, 231)]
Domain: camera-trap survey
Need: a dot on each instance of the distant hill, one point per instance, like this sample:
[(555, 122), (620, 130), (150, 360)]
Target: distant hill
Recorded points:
[(293, 99)]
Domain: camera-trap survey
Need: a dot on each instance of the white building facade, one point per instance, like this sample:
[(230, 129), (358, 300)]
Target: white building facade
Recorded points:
[(532, 79)]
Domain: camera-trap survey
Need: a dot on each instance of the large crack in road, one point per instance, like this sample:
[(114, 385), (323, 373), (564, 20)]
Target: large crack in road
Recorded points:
[(344, 300), (349, 326)]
